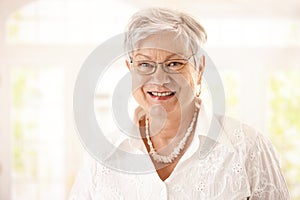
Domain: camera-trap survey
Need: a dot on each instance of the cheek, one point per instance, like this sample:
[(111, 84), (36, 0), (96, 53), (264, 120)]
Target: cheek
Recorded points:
[(138, 83), (192, 77), (189, 81), (139, 96)]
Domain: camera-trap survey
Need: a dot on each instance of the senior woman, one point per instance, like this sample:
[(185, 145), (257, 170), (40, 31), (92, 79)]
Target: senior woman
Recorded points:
[(166, 65)]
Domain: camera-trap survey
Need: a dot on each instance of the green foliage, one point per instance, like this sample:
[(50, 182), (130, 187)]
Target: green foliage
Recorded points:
[(284, 123), (19, 89), (23, 93), (231, 87)]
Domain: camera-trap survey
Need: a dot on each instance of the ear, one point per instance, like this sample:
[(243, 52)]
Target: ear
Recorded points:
[(201, 69), (127, 64)]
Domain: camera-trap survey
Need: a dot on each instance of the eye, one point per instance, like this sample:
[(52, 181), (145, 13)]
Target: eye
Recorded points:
[(175, 64), (144, 64)]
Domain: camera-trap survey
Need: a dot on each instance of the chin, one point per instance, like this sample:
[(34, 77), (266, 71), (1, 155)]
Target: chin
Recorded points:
[(162, 109)]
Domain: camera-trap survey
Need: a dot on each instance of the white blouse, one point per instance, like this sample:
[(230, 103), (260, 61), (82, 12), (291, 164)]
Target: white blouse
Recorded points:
[(242, 164)]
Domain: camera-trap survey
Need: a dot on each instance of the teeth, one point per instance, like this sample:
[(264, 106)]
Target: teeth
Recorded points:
[(161, 94)]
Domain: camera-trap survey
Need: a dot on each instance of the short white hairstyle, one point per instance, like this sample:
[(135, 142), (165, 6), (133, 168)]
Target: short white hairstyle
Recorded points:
[(147, 22)]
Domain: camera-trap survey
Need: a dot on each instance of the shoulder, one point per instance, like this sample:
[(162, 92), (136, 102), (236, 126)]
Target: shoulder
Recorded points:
[(244, 137), (248, 142), (261, 160)]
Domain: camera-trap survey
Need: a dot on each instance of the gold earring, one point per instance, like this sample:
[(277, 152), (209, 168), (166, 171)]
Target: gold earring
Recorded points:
[(198, 92)]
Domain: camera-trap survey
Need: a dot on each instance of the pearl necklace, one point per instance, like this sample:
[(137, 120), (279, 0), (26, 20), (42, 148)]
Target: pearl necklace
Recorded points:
[(171, 157)]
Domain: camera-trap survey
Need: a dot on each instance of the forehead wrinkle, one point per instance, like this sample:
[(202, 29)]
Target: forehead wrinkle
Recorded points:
[(166, 42), (157, 54)]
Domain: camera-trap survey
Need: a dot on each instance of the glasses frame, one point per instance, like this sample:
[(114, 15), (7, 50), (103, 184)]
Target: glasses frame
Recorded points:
[(162, 64)]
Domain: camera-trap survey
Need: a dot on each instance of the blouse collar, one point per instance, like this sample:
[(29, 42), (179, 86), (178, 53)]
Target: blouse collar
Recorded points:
[(209, 131)]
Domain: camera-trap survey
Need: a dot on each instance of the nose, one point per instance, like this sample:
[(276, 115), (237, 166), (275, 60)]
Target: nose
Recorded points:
[(160, 77)]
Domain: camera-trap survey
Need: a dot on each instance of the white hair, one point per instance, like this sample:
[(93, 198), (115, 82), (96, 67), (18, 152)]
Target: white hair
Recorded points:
[(152, 21)]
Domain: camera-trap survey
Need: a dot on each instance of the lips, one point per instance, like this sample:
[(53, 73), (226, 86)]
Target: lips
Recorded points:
[(165, 95)]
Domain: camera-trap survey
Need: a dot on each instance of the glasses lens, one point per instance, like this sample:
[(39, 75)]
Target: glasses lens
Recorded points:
[(144, 67), (170, 66), (174, 66)]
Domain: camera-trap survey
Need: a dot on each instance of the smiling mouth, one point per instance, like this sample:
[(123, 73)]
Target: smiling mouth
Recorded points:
[(161, 94)]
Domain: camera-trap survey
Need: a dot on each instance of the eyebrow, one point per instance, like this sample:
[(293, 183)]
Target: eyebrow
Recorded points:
[(148, 57)]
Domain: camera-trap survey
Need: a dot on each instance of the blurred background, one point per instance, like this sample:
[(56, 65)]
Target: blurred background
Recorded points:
[(43, 43)]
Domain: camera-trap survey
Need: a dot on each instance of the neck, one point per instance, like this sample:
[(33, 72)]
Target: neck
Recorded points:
[(173, 124)]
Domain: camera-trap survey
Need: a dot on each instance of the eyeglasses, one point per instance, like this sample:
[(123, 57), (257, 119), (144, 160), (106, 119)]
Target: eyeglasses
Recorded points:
[(147, 67)]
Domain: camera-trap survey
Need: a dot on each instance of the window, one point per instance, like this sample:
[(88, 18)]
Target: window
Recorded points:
[(38, 133), (46, 41), (284, 122)]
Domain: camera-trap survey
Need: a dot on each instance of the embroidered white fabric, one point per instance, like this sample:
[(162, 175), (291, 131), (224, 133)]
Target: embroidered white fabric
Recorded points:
[(241, 165)]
